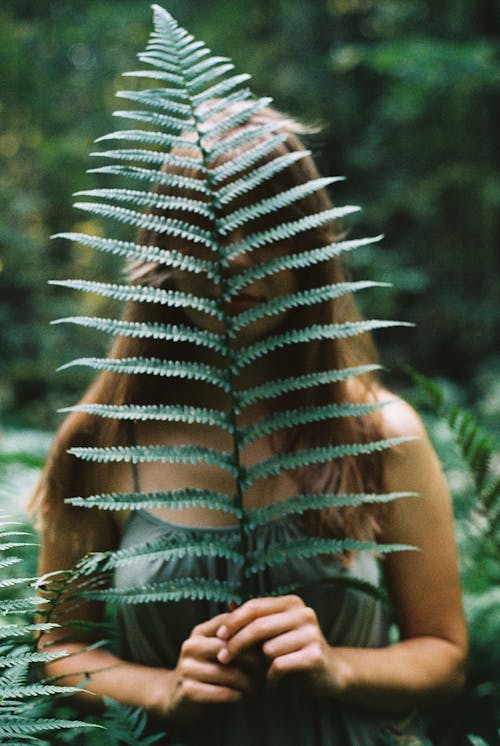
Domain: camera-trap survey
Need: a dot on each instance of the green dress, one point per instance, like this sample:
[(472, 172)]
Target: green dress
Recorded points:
[(285, 715)]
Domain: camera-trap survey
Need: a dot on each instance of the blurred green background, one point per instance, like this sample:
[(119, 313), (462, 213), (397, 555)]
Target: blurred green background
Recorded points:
[(405, 94)]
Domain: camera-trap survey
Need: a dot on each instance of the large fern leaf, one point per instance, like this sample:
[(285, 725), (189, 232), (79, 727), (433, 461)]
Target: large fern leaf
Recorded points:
[(199, 138)]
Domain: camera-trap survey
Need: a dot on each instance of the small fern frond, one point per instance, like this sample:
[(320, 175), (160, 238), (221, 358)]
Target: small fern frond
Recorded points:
[(299, 504), (285, 231), (149, 330), (167, 548), (302, 416), (310, 546), (299, 300), (310, 333), (158, 99), (160, 224), (178, 499), (153, 176), (171, 590), (150, 199), (129, 250), (299, 260), (272, 389), (274, 465), (144, 294), (146, 137), (239, 217), (245, 184), (156, 367), (161, 454), (157, 412)]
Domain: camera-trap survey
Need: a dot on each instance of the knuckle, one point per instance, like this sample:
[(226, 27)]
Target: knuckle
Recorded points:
[(315, 654), (309, 615), (252, 606), (294, 600)]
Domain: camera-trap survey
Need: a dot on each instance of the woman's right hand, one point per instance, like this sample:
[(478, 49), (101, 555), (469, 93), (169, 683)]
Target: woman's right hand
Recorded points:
[(200, 680)]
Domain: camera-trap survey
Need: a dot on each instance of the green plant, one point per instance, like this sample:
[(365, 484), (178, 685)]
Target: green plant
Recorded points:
[(478, 521), (193, 110), (24, 700)]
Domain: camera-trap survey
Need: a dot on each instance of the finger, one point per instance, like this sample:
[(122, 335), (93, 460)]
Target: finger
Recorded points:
[(299, 660), (205, 648), (203, 693), (253, 609), (289, 642), (211, 673), (210, 627), (259, 630)]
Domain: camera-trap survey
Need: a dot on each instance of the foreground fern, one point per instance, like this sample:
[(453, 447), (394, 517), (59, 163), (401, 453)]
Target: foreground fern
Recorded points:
[(191, 112), (23, 701)]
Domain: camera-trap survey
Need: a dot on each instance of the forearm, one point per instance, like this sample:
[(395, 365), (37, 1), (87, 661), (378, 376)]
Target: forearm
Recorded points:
[(101, 674), (411, 673)]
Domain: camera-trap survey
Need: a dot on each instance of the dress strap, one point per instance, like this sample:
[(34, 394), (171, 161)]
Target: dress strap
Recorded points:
[(133, 442)]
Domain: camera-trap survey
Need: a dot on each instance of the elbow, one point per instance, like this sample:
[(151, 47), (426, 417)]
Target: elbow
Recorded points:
[(455, 678)]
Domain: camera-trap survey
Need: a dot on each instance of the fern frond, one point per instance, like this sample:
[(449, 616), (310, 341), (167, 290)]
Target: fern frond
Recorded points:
[(245, 184), (241, 216), (129, 250), (274, 465), (150, 199), (299, 504), (257, 150), (252, 352), (157, 412), (163, 454), (160, 224), (144, 294), (178, 499), (311, 546), (158, 120), (272, 389), (146, 137), (149, 330), (285, 231), (300, 260), (22, 726), (231, 119), (172, 590), (156, 367), (159, 99), (302, 416), (153, 176), (299, 300), (166, 548)]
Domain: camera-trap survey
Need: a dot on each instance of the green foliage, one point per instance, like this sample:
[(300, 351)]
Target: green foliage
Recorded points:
[(191, 88), (478, 506), (24, 701)]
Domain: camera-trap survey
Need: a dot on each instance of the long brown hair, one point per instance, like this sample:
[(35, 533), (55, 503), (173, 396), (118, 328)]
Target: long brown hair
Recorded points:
[(64, 476)]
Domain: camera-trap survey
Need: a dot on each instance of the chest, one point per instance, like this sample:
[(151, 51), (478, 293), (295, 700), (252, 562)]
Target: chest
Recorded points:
[(158, 479)]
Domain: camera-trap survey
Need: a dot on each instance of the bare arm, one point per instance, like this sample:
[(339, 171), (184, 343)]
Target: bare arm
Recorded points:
[(428, 662), (176, 694)]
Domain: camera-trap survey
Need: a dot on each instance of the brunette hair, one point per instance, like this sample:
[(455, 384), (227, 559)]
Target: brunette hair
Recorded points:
[(64, 476)]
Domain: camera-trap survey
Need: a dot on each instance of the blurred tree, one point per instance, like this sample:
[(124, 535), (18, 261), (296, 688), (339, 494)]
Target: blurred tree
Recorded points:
[(406, 95)]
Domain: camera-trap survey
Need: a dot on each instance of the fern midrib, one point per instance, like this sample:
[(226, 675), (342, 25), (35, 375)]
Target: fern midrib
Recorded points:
[(228, 354)]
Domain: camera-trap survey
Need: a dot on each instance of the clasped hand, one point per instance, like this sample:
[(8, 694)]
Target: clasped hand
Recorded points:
[(289, 635), (232, 654)]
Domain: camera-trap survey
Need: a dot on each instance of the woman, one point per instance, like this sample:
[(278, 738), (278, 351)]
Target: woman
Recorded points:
[(312, 667)]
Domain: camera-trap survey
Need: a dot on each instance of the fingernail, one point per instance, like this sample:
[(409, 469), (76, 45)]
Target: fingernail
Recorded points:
[(222, 632), (223, 655)]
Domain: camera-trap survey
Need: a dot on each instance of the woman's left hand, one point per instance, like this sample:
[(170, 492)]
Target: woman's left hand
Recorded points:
[(290, 636)]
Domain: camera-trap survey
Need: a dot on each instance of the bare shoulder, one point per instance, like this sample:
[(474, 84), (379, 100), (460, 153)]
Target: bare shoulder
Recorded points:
[(399, 419), (411, 466)]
